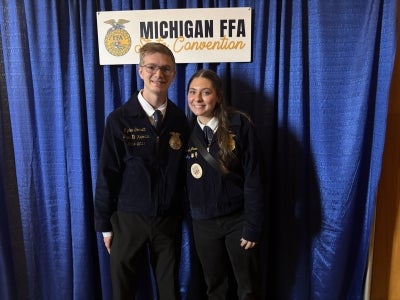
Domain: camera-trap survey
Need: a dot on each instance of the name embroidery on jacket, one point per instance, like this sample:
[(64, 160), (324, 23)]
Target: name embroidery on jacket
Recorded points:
[(135, 137)]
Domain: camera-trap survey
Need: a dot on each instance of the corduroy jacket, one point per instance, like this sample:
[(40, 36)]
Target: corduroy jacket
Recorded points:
[(139, 169), (212, 194)]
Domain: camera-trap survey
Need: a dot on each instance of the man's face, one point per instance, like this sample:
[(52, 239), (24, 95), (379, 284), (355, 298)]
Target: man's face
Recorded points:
[(157, 72)]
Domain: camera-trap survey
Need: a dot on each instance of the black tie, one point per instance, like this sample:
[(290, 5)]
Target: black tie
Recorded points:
[(157, 119), (208, 134)]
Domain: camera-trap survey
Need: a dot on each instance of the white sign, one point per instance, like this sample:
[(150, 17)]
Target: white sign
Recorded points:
[(193, 35)]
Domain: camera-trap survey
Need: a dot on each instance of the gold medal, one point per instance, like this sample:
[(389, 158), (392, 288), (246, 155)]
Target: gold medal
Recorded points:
[(175, 141), (196, 171)]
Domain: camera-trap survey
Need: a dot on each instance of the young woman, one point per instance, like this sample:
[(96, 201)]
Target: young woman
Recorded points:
[(226, 195)]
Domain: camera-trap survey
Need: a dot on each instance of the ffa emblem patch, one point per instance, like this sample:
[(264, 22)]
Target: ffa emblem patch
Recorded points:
[(117, 40), (175, 141), (232, 144)]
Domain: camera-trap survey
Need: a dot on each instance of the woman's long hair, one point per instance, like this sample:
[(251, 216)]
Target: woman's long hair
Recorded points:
[(221, 112)]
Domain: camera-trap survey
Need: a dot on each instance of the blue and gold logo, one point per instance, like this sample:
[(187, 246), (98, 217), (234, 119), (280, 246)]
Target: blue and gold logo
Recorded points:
[(117, 40), (175, 141)]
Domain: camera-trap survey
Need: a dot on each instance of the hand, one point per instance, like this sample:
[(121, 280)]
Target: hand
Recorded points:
[(247, 244), (107, 242)]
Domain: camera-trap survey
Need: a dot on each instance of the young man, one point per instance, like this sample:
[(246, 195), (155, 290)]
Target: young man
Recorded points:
[(140, 177)]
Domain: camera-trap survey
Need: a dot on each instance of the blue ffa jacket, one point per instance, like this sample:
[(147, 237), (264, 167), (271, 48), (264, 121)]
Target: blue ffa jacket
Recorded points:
[(212, 194), (139, 170)]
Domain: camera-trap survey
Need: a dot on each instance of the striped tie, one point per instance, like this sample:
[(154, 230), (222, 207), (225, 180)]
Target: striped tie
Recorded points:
[(157, 119), (208, 134)]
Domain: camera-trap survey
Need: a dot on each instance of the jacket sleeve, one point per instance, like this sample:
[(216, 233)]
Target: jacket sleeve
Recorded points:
[(254, 190), (108, 178)]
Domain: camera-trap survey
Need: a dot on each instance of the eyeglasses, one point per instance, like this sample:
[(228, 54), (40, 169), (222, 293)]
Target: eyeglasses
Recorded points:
[(152, 69)]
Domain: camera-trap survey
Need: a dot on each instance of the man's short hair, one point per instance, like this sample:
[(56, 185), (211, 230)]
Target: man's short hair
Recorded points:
[(151, 48)]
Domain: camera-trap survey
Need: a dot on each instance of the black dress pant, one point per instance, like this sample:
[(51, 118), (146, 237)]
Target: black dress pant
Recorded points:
[(217, 244), (132, 234)]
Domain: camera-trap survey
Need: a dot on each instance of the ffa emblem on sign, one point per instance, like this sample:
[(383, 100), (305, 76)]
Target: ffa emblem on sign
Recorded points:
[(117, 40), (175, 141)]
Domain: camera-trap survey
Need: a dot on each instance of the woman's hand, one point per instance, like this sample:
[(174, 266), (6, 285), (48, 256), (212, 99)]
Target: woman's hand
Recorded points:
[(246, 244)]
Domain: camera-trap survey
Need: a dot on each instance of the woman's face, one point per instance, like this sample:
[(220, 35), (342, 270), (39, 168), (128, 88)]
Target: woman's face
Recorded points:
[(202, 98)]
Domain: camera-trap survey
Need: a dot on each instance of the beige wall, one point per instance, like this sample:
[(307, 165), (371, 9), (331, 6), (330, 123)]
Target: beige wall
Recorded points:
[(385, 282)]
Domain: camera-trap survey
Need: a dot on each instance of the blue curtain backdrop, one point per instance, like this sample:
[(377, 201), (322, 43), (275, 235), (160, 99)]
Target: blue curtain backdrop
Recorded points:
[(317, 89)]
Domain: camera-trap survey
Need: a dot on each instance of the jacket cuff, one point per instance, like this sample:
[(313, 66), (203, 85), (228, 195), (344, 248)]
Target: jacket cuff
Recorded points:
[(251, 235)]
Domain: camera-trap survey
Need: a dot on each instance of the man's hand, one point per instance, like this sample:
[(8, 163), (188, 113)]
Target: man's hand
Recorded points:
[(246, 244), (107, 242)]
